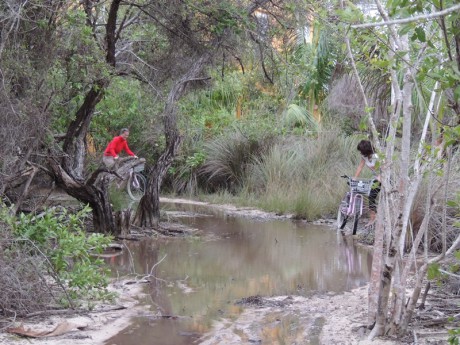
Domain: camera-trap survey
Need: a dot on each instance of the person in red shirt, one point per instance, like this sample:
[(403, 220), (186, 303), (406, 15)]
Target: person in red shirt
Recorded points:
[(114, 148)]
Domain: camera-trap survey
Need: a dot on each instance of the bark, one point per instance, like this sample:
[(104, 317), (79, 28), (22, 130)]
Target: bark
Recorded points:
[(25, 191), (92, 194), (148, 211), (122, 223), (74, 145), (111, 36), (397, 207), (70, 171)]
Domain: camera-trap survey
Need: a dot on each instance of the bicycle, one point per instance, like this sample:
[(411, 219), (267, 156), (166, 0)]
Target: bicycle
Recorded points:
[(353, 202), (137, 183)]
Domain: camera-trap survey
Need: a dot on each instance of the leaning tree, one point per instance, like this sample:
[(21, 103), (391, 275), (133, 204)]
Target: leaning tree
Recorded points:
[(203, 32)]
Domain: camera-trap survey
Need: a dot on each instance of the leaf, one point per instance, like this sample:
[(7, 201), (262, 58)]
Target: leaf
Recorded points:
[(433, 271), (457, 93), (405, 29), (452, 203), (381, 63), (420, 34)]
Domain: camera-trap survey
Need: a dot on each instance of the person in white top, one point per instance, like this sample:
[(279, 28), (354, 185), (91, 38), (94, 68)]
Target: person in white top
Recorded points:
[(369, 158)]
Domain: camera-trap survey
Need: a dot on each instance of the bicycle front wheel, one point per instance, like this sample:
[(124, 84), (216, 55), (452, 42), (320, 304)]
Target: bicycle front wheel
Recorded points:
[(136, 186), (342, 216), (357, 214)]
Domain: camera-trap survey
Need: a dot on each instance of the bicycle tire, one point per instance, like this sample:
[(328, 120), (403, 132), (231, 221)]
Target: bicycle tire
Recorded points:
[(356, 215), (342, 216), (136, 186)]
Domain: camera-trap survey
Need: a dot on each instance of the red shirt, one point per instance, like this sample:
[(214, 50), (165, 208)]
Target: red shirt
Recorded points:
[(116, 146)]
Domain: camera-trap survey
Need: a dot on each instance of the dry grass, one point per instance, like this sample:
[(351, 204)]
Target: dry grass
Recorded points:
[(438, 190), (24, 288)]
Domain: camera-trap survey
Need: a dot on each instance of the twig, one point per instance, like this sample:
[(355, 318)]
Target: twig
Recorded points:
[(157, 265), (56, 276), (9, 323)]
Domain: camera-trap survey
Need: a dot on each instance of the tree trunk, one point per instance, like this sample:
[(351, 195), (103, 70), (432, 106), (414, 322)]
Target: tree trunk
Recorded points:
[(122, 223), (70, 171), (94, 194), (148, 211), (74, 142)]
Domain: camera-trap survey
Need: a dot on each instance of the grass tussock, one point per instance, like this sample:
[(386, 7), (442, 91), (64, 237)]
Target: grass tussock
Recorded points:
[(228, 158), (302, 177)]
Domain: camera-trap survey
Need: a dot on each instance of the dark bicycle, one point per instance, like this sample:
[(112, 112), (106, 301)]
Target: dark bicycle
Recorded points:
[(351, 206)]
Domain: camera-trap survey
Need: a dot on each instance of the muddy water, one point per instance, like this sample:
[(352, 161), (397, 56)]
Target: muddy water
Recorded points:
[(199, 279)]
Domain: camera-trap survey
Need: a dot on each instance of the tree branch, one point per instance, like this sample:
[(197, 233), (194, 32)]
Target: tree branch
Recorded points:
[(408, 20)]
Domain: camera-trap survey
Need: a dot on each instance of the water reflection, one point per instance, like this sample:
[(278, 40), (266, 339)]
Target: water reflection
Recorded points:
[(200, 278)]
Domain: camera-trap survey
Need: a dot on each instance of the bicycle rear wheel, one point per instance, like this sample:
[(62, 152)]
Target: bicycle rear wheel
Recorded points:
[(136, 186)]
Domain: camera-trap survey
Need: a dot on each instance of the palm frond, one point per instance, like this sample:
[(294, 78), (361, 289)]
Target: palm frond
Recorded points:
[(297, 116)]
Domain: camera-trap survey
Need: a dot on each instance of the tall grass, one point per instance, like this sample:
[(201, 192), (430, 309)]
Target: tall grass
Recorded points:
[(228, 158), (302, 177), (436, 182)]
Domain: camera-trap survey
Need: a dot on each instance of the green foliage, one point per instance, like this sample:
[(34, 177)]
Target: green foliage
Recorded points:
[(185, 170), (433, 271), (454, 336), (69, 78), (126, 105), (220, 16), (299, 117), (59, 236)]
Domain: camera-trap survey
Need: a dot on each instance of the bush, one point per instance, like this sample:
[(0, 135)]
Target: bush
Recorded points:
[(51, 258)]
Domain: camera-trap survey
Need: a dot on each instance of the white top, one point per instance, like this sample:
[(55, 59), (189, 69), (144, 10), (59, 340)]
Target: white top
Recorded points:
[(371, 162)]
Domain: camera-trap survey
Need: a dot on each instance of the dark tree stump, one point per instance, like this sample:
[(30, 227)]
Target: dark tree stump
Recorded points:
[(122, 222)]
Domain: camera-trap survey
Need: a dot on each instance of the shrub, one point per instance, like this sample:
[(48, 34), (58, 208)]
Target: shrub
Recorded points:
[(59, 251)]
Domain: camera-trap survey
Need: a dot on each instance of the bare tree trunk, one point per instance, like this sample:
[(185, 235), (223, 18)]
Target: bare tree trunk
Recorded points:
[(96, 198), (122, 223), (148, 211), (74, 142)]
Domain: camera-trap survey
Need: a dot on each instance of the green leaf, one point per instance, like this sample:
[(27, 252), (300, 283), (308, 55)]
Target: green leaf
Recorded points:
[(452, 203), (433, 271), (420, 34), (457, 255), (381, 63), (457, 93), (405, 29)]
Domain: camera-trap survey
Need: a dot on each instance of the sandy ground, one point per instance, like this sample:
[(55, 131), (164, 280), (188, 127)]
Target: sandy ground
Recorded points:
[(320, 319), (89, 328)]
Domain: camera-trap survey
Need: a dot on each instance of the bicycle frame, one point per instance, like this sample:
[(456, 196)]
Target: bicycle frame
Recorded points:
[(352, 203), (133, 176), (353, 197)]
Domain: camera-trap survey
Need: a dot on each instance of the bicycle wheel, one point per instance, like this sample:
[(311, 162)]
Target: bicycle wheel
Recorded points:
[(136, 186), (357, 214), (342, 216)]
